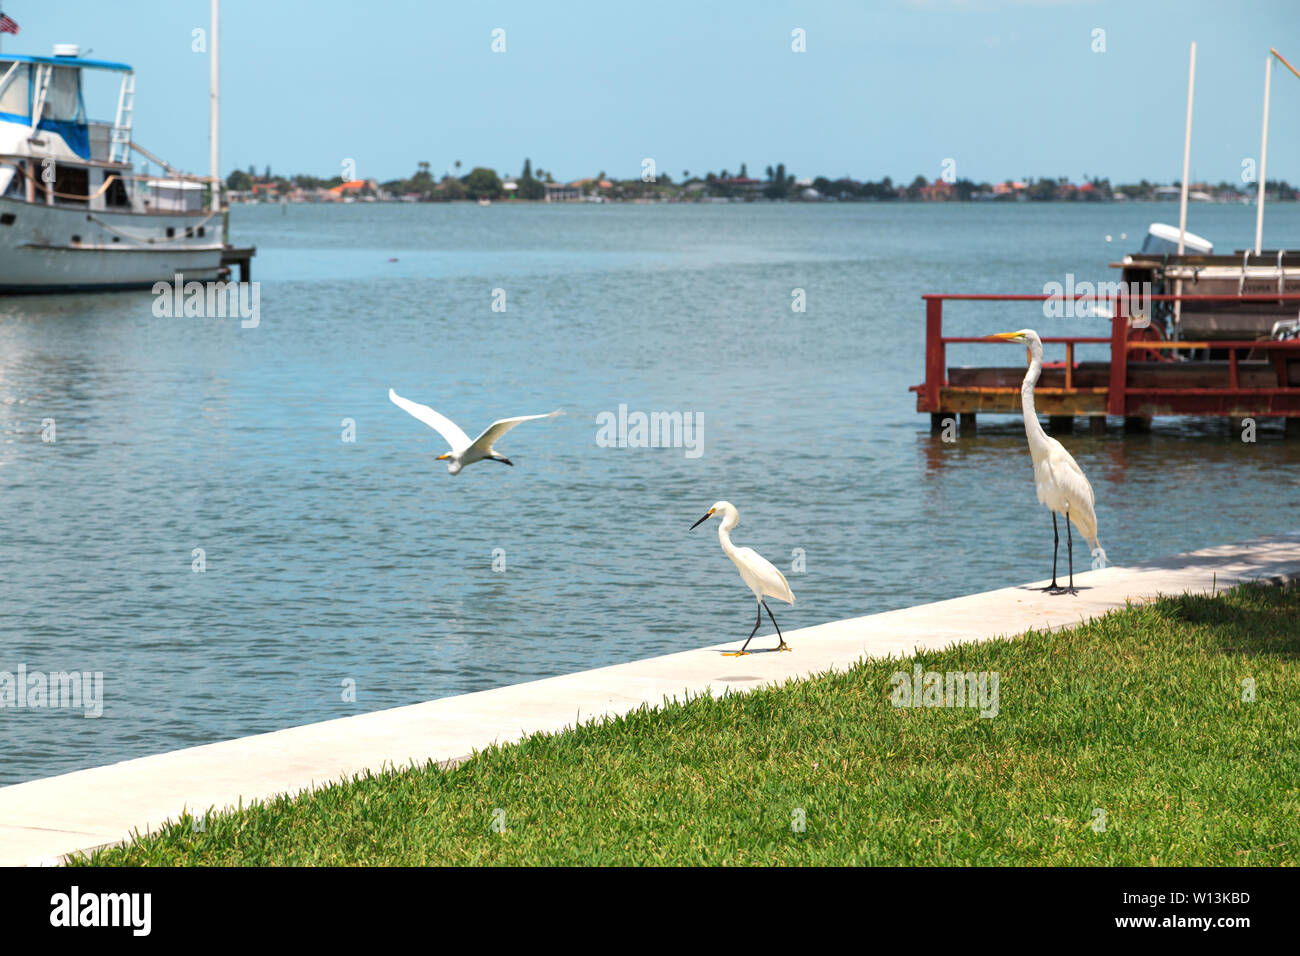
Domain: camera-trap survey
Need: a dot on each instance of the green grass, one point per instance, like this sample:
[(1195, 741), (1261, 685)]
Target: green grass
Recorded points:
[(1139, 713)]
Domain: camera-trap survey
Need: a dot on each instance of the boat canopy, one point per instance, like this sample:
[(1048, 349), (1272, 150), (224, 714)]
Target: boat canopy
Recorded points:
[(47, 89), (75, 62)]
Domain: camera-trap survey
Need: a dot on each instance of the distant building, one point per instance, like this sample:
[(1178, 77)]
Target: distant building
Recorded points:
[(938, 191), (353, 189), (563, 192)]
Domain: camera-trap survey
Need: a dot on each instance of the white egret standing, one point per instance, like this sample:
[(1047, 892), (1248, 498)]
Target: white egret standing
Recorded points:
[(463, 451), (755, 570), (1060, 481)]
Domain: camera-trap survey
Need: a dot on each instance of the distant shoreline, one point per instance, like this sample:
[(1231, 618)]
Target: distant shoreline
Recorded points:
[(709, 201), (484, 186)]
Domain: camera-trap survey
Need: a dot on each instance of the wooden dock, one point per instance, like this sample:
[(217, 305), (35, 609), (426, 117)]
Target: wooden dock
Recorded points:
[(241, 256), (1257, 379)]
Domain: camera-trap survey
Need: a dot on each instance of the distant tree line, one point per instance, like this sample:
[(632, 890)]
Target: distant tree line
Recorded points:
[(778, 183)]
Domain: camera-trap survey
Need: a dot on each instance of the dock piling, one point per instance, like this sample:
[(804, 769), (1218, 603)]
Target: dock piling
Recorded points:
[(242, 257)]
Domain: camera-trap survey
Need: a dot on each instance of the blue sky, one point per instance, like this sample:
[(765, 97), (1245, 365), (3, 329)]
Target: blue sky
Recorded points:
[(1006, 89)]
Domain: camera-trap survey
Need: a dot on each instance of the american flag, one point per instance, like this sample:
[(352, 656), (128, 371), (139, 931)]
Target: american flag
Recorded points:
[(8, 24)]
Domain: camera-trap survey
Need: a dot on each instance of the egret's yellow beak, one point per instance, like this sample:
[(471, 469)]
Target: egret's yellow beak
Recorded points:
[(702, 520), (442, 456), (1005, 336)]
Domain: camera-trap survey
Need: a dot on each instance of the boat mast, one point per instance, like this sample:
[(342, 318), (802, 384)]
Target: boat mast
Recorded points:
[(214, 105), (1263, 156)]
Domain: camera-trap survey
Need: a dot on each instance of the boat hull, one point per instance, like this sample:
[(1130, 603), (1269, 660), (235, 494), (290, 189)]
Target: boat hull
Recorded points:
[(72, 249)]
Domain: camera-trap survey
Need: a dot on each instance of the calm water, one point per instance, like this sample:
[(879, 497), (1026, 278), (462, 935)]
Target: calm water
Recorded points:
[(328, 561)]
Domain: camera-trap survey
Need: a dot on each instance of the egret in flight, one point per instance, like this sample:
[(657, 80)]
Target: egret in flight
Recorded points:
[(1061, 484), (755, 570), (463, 451)]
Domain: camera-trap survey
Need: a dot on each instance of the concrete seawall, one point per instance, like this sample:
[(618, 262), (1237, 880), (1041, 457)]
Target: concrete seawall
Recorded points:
[(42, 820)]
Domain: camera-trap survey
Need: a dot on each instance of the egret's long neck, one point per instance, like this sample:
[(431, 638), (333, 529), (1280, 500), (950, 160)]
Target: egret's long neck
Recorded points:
[(724, 535), (1033, 428)]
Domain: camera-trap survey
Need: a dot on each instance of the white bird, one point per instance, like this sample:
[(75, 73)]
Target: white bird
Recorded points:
[(463, 451), (755, 570), (1061, 484)]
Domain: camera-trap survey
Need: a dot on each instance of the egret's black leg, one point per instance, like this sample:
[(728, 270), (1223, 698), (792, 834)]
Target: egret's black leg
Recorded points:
[(503, 459), (1069, 550), (751, 634), (1056, 543), (783, 645)]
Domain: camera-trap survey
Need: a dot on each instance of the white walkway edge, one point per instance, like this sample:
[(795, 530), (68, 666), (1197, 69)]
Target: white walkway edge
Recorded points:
[(41, 820)]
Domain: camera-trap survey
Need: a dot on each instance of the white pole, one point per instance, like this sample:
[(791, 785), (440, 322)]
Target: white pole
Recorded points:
[(1263, 157), (1187, 150), (1187, 160), (214, 104)]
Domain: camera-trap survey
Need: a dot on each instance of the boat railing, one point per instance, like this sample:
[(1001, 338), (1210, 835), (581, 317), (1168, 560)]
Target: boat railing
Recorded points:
[(1119, 394), (20, 164)]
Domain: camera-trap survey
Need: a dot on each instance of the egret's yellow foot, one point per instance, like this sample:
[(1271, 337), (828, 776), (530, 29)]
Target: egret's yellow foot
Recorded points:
[(735, 653), (785, 647)]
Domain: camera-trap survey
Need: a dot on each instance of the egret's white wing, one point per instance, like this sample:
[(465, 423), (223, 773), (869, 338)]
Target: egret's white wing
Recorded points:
[(443, 425), (1071, 479), (498, 428), (1072, 492), (756, 569)]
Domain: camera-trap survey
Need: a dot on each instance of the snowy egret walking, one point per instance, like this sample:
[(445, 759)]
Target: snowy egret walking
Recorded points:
[(463, 451), (1060, 481), (755, 570)]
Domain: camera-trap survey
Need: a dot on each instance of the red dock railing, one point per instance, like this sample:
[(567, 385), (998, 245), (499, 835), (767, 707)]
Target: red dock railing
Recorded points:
[(1122, 396)]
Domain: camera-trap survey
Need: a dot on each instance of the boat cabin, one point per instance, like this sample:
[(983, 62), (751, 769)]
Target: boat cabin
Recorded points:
[(52, 152)]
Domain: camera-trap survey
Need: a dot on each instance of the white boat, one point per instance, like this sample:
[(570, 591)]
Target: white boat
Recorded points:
[(73, 213)]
